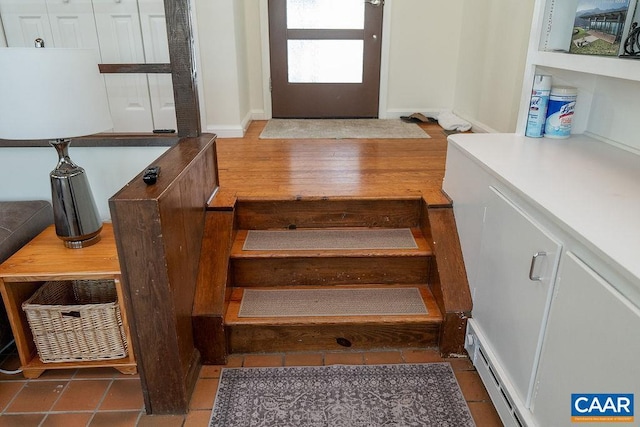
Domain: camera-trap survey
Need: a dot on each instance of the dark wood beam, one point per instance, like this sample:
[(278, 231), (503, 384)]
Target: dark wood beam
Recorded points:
[(181, 55)]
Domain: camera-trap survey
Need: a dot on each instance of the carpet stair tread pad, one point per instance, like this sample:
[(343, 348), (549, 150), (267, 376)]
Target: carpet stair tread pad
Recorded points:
[(331, 302), (330, 239)]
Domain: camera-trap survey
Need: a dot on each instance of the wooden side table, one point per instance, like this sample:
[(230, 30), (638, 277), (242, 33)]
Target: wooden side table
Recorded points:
[(46, 258)]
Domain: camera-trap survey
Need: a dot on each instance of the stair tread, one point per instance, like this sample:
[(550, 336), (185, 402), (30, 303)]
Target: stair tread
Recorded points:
[(433, 314), (423, 249)]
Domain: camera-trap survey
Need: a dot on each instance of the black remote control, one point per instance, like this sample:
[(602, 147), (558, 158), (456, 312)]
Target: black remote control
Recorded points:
[(151, 175)]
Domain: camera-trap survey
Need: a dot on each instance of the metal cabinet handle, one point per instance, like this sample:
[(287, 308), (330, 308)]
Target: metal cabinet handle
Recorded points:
[(534, 261)]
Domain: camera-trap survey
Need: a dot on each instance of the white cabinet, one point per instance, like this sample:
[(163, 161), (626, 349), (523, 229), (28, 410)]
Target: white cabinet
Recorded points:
[(578, 329), (124, 31), (517, 266), (591, 345)]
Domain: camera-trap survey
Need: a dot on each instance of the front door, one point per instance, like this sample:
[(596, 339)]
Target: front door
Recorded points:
[(325, 58)]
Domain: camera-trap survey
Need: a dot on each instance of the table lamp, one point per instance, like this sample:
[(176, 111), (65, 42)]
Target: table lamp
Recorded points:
[(57, 94)]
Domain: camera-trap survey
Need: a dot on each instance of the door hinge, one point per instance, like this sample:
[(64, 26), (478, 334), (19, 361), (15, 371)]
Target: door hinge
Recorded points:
[(270, 85)]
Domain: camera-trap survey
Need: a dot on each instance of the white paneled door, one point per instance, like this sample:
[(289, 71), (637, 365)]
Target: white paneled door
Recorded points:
[(122, 31)]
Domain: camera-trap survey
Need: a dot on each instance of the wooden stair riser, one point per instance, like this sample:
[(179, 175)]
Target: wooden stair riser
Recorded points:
[(272, 338), (329, 271), (392, 213)]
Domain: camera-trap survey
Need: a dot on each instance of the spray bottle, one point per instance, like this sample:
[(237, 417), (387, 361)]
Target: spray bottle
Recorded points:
[(538, 106)]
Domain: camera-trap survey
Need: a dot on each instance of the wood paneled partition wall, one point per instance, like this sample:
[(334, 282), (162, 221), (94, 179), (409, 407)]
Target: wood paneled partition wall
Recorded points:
[(159, 232)]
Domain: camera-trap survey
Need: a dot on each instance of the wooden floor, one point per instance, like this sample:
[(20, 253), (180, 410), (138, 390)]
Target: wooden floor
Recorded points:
[(257, 168)]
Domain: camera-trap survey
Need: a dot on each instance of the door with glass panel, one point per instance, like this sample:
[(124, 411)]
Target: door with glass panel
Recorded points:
[(325, 58)]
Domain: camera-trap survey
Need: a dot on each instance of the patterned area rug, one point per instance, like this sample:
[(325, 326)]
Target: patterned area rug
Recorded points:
[(343, 395), (341, 129)]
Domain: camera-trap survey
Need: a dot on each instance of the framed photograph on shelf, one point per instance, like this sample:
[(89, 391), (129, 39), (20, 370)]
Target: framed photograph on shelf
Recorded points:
[(630, 46), (600, 25)]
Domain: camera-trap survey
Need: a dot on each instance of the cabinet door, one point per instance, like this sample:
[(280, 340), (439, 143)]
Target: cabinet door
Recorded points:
[(120, 37), (591, 345), (24, 21), (156, 50), (513, 288), (72, 24)]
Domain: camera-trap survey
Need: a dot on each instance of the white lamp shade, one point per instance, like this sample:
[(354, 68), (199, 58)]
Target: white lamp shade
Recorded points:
[(51, 93)]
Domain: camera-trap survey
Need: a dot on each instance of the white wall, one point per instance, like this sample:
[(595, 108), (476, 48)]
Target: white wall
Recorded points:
[(423, 57), (223, 66), (493, 48), (25, 171)]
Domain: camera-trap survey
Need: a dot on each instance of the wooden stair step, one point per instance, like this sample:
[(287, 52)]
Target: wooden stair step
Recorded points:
[(275, 334), (330, 267)]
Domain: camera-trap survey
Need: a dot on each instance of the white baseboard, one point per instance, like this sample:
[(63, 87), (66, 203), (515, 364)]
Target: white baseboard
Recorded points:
[(231, 131)]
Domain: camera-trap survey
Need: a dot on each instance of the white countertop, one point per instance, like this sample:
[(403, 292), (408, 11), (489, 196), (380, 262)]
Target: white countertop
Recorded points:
[(592, 188)]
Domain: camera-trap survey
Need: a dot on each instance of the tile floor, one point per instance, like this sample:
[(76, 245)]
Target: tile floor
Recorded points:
[(104, 397)]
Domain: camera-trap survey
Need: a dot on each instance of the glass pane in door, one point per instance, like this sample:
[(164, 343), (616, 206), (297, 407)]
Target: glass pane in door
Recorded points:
[(325, 61), (325, 14)]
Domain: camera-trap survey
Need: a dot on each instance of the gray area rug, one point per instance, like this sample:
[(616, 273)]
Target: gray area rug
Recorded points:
[(324, 239), (341, 129), (343, 395), (331, 302)]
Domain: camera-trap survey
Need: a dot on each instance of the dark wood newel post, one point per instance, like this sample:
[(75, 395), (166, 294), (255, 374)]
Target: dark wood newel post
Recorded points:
[(182, 57), (158, 230)]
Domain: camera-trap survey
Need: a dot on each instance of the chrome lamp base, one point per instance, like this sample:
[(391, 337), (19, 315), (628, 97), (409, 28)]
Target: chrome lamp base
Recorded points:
[(75, 214)]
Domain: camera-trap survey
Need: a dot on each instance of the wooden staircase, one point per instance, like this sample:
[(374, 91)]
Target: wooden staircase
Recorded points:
[(226, 271)]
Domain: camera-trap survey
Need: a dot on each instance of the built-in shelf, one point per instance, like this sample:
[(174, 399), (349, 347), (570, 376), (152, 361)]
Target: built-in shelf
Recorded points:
[(620, 68)]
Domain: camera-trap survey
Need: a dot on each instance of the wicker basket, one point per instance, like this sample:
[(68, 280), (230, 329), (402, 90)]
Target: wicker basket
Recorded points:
[(76, 321)]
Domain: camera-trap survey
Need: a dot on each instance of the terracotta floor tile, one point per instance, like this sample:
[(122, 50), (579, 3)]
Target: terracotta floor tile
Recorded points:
[(421, 356), (303, 359), (204, 394), (263, 360), (383, 357), (472, 386), (8, 390), (67, 420), (210, 371), (123, 395), (197, 419), (161, 421), (22, 420), (461, 364), (82, 395), (58, 374), (234, 361), (115, 419), (343, 358), (484, 414), (37, 396), (96, 373)]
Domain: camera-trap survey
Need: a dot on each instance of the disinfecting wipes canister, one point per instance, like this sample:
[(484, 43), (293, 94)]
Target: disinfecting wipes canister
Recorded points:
[(538, 106), (562, 103)]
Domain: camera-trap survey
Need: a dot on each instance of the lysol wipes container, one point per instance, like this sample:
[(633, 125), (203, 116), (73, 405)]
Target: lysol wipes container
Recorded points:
[(562, 103), (538, 106)]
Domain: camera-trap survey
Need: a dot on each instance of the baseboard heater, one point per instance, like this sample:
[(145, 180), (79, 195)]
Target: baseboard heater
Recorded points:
[(512, 411)]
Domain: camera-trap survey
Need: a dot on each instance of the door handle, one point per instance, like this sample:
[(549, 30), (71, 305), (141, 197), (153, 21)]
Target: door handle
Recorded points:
[(534, 260), (376, 3)]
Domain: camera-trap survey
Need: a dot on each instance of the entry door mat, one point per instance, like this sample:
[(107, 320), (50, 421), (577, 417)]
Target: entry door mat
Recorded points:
[(341, 395), (331, 302), (341, 129), (333, 239)]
